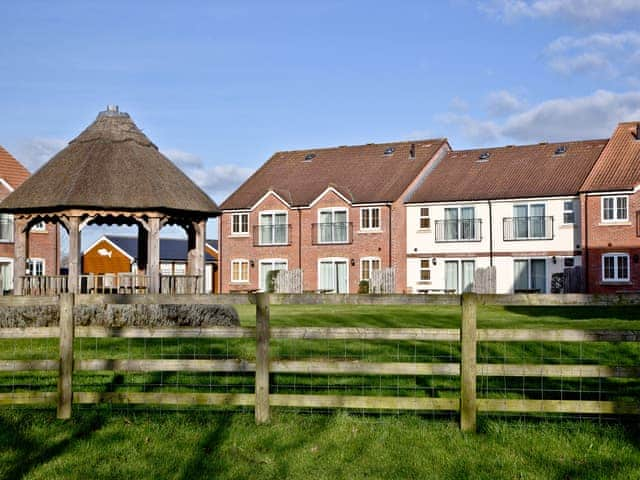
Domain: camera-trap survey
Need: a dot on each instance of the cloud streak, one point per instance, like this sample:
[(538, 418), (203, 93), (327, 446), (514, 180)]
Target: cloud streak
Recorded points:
[(577, 10), (35, 152)]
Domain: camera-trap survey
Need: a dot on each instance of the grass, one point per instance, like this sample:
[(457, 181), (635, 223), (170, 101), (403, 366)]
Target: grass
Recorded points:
[(129, 443), (102, 444)]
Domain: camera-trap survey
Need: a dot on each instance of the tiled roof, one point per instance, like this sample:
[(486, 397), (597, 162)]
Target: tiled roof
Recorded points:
[(11, 170), (363, 173), (510, 172), (171, 249), (618, 168)]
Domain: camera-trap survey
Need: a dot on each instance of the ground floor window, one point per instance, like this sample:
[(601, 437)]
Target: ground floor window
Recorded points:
[(6, 276), (35, 266), (367, 265), (458, 275), (615, 267), (333, 275), (240, 271), (425, 270), (530, 275), (267, 266)]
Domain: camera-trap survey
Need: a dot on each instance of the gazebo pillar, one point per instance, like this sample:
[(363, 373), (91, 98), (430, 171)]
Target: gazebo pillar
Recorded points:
[(73, 224), (196, 254), (21, 245), (153, 255)]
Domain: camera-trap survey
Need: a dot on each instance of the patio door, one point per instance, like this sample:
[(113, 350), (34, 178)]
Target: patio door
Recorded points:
[(451, 276), (468, 271), (333, 276)]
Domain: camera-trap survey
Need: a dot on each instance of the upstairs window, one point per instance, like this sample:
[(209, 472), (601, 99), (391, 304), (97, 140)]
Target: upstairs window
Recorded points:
[(370, 218), (569, 214), (6, 227), (615, 209), (273, 228), (425, 219), (240, 224)]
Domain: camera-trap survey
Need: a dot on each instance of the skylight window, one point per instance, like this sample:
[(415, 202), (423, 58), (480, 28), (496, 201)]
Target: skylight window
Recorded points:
[(562, 149), (309, 156), (484, 157), (389, 151)]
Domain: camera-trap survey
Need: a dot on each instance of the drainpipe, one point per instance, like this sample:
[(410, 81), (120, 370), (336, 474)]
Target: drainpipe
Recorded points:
[(300, 240), (585, 246), (219, 254), (390, 241)]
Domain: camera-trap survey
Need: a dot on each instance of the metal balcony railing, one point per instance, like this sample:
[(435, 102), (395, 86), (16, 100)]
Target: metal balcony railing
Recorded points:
[(469, 230), (331, 233), (271, 235), (527, 228)]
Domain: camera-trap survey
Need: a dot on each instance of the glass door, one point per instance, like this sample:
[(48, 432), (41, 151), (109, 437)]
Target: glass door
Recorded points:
[(451, 276), (539, 275), (333, 276), (468, 271), (520, 275)]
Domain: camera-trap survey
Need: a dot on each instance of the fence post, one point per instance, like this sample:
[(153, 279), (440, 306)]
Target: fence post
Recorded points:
[(468, 343), (262, 410), (65, 370)]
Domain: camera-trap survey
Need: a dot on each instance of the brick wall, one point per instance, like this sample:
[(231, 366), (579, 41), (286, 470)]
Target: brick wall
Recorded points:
[(610, 238)]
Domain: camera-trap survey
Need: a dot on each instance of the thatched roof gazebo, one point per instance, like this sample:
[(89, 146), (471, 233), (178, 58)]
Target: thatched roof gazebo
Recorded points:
[(111, 174)]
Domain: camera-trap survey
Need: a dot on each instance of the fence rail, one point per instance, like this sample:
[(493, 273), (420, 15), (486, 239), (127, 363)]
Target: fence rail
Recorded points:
[(468, 401)]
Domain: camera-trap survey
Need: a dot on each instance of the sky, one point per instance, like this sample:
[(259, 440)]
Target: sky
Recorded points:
[(220, 86)]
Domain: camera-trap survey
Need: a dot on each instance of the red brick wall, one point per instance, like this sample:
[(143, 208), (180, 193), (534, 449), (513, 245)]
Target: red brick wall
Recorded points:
[(303, 255), (612, 238)]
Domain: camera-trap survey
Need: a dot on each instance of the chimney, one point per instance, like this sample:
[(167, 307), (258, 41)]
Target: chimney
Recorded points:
[(412, 151), (113, 108)]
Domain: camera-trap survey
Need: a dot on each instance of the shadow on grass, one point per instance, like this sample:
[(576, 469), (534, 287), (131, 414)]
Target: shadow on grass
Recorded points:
[(209, 451), (30, 453), (574, 312)]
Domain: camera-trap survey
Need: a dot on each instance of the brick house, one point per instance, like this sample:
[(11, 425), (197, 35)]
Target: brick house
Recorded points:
[(335, 213), (513, 208), (610, 199), (43, 256)]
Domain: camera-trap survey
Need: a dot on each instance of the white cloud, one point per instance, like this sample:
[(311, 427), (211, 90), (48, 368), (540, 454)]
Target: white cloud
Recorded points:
[(218, 181), (503, 103), (576, 118), (612, 54), (34, 152), (580, 10)]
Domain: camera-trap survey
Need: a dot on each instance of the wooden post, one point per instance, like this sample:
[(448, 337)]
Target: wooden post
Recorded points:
[(21, 245), (468, 367), (74, 254), (153, 255), (65, 374), (263, 414)]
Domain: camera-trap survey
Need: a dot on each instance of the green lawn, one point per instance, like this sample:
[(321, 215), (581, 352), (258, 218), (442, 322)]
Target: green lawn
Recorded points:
[(99, 444), (128, 443)]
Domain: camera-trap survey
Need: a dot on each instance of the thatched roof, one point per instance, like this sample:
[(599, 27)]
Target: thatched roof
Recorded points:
[(112, 165)]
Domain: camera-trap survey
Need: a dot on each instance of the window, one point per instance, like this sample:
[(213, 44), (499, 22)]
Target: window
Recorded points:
[(367, 265), (39, 227), (333, 226), (569, 262), (530, 275), (35, 267), (614, 209), (615, 267), (569, 215), (333, 275), (529, 222), (370, 218), (266, 267), (425, 270), (179, 269), (425, 220), (6, 227), (459, 224), (166, 269), (240, 271), (273, 228), (240, 224)]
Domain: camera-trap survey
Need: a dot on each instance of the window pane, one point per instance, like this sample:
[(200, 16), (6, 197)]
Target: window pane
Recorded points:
[(244, 227), (364, 218), (244, 276), (621, 208), (537, 221), (520, 223), (365, 270), (451, 223), (607, 205), (539, 275), (375, 218), (609, 268), (569, 217), (520, 275), (375, 264), (623, 267), (425, 221)]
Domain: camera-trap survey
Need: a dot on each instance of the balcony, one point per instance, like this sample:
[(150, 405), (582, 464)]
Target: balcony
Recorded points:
[(271, 235), (458, 230), (332, 233), (527, 228)]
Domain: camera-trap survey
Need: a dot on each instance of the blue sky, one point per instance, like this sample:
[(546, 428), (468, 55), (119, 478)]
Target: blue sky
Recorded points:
[(220, 86)]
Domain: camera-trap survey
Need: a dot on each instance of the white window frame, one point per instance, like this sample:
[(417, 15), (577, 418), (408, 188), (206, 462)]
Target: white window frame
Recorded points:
[(565, 211), (547, 271), (615, 218), (421, 217), (166, 268), (334, 260), (424, 269), (370, 228), (7, 217), (32, 260), (239, 216), (616, 278), (240, 261), (273, 213), (333, 210), (270, 261), (369, 260)]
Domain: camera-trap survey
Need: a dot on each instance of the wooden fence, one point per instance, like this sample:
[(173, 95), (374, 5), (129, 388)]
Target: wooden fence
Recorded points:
[(468, 404)]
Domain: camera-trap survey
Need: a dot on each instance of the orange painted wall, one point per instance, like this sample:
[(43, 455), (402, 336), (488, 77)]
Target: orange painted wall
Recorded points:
[(93, 262)]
